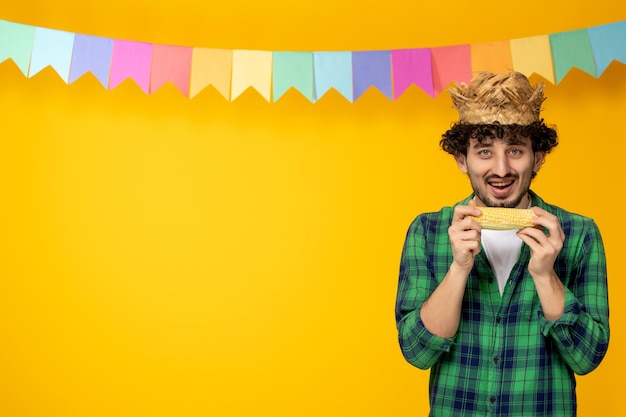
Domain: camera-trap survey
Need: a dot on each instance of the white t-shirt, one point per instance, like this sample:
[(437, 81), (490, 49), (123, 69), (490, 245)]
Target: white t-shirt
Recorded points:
[(502, 248)]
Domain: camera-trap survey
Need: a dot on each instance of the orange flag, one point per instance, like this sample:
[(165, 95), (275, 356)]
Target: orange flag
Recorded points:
[(492, 56)]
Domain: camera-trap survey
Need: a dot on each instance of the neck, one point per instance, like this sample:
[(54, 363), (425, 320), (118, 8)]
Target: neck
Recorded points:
[(530, 200)]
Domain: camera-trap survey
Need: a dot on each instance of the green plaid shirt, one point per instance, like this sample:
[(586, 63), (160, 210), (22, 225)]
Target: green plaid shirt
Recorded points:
[(506, 358)]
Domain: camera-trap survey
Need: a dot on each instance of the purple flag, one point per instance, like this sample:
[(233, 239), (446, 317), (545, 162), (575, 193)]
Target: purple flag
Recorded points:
[(91, 54), (371, 68)]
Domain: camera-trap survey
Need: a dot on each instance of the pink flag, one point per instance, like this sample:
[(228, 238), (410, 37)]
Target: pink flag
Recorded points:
[(451, 63), (411, 66), (171, 64), (131, 60)]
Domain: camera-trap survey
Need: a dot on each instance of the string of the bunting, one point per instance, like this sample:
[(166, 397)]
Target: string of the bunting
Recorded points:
[(313, 74)]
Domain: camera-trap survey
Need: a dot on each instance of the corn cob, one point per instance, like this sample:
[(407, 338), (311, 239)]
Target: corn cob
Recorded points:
[(499, 218)]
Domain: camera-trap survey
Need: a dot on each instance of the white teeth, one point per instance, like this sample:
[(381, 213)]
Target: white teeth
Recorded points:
[(501, 184)]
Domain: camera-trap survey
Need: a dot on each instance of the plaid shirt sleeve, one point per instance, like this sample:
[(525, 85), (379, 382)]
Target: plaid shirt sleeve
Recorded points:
[(422, 250), (582, 333)]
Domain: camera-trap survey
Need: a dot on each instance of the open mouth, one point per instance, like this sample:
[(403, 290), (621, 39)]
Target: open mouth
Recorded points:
[(501, 184), (501, 187)]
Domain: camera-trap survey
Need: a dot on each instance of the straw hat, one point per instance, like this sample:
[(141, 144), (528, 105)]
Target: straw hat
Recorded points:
[(498, 98)]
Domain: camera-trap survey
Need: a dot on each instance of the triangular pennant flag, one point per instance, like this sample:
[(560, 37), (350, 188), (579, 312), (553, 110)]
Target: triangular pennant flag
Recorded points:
[(131, 60), (608, 43), (333, 70), (52, 48), (16, 43), (91, 54), (371, 69), (171, 64), (211, 67), (492, 56), (451, 64), (251, 69), (293, 69), (533, 55), (571, 49), (412, 66)]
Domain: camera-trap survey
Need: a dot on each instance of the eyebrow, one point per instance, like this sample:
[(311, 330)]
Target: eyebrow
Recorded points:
[(516, 141), (488, 142), (485, 143)]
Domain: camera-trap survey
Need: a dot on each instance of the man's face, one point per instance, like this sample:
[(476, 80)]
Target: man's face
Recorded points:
[(501, 170)]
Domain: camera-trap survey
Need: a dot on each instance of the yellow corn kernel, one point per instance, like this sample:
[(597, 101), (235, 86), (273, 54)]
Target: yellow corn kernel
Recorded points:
[(499, 218)]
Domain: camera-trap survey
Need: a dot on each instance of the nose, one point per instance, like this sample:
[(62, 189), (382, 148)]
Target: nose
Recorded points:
[(501, 166)]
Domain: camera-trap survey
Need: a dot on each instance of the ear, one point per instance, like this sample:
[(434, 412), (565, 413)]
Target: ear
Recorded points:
[(540, 158), (461, 161)]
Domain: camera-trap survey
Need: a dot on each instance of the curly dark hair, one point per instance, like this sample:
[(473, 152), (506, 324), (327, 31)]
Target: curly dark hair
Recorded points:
[(456, 140)]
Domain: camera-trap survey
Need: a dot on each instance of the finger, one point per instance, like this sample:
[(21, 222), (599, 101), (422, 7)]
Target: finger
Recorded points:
[(465, 225), (459, 235), (460, 212), (534, 232), (548, 221), (469, 235), (543, 218), (539, 241), (469, 246), (529, 241)]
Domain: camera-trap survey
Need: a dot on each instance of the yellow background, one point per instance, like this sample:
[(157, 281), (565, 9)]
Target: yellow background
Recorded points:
[(161, 256)]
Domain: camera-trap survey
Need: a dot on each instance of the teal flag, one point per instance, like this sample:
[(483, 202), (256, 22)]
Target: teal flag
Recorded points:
[(333, 70), (571, 49), (16, 43), (292, 69), (608, 43), (52, 48)]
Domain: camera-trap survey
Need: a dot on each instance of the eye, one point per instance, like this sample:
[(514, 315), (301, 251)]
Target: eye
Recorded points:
[(484, 153), (515, 152)]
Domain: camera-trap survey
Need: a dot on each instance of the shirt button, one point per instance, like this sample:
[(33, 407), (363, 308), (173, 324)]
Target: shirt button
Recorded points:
[(492, 399), (498, 319), (495, 360)]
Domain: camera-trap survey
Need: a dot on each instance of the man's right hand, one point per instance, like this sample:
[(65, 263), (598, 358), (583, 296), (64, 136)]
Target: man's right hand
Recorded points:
[(464, 233)]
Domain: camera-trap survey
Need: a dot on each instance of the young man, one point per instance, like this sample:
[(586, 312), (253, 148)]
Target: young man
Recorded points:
[(504, 319)]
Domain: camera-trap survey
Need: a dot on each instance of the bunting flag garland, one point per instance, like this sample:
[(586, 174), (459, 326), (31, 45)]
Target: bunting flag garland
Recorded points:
[(312, 74)]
